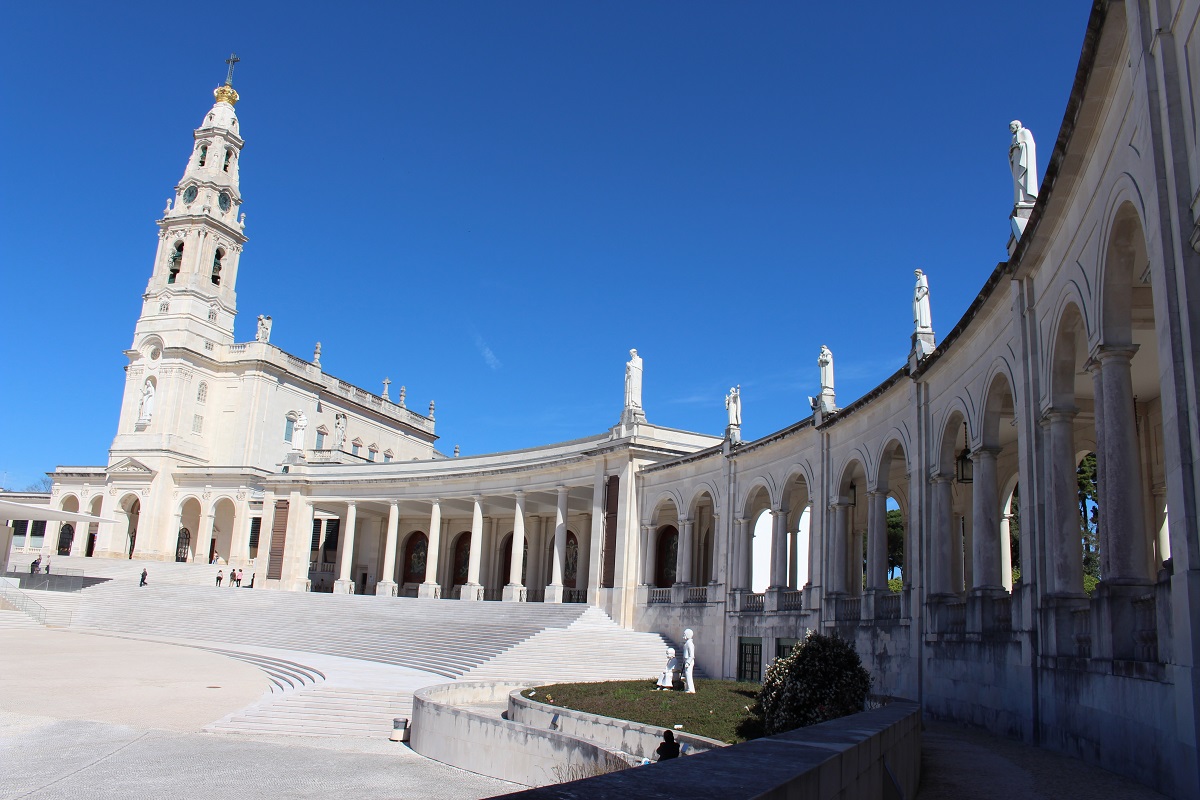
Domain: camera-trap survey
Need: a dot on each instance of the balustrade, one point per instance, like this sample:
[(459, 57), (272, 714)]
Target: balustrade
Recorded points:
[(791, 601), (575, 595), (754, 602), (887, 606), (659, 596), (696, 594), (1145, 628), (1081, 627), (956, 618)]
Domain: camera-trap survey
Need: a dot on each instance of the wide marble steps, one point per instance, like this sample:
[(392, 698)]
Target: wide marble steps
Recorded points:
[(321, 711)]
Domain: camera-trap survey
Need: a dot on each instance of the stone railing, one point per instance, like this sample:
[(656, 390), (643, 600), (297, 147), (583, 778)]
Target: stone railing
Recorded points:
[(696, 594), (1145, 628), (1081, 631), (1002, 613), (659, 596), (956, 618), (237, 348), (754, 601), (874, 753), (887, 607), (574, 595), (791, 600)]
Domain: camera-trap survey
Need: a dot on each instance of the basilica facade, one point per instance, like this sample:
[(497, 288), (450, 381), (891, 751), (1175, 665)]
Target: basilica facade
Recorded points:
[(1084, 344)]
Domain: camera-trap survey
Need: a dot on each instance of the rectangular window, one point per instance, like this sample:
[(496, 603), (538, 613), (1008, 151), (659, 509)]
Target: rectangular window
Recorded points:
[(21, 529), (371, 455), (316, 535), (288, 426), (749, 658), (197, 423), (353, 449), (255, 530), (386, 458), (784, 647), (37, 532), (320, 441)]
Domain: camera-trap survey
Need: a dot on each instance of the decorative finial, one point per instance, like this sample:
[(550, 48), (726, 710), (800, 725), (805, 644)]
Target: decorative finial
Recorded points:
[(317, 356), (456, 451), (386, 383), (226, 93), (403, 393), (431, 409)]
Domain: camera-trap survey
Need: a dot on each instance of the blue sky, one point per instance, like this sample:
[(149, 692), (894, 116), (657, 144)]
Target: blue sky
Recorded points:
[(491, 202)]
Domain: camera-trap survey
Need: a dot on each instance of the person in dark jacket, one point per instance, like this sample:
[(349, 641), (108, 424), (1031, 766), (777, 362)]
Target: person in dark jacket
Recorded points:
[(669, 748)]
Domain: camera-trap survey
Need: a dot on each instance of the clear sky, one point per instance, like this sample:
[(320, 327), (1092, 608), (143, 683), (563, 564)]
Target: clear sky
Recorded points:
[(491, 202)]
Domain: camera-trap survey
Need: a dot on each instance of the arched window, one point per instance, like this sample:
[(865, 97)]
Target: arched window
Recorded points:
[(228, 157), (216, 269), (174, 262), (202, 393), (203, 155), (66, 537), (289, 427), (415, 552), (182, 544)]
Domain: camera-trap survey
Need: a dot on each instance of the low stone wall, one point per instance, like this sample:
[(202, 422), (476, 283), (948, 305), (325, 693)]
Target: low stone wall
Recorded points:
[(621, 735), (874, 754), (446, 729)]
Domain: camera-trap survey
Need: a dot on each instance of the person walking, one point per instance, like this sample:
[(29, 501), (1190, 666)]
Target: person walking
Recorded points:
[(47, 566), (144, 574), (239, 579), (220, 574)]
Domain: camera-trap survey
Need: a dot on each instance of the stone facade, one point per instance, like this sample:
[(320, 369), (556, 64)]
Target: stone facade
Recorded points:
[(1084, 341)]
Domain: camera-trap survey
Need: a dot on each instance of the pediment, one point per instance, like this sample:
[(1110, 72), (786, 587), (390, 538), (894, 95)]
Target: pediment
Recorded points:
[(129, 466)]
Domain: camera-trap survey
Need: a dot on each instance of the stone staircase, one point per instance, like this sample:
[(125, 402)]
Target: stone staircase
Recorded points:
[(321, 711), (123, 569)]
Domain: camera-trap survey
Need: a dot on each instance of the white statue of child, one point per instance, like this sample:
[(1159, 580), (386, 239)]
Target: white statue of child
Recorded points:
[(667, 679)]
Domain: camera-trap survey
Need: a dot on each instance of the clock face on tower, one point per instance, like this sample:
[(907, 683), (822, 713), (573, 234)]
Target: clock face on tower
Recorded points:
[(189, 195), (223, 201)]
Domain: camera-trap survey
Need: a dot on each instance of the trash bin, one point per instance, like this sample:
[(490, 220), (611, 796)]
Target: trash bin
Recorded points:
[(399, 729)]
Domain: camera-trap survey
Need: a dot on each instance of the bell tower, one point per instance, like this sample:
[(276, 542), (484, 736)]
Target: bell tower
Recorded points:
[(190, 300)]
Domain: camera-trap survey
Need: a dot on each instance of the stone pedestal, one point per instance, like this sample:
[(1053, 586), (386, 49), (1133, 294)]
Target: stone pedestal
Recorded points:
[(1115, 621), (1059, 625), (1018, 220), (385, 589), (923, 343), (343, 587), (514, 593), (554, 594), (470, 591), (734, 434), (430, 591)]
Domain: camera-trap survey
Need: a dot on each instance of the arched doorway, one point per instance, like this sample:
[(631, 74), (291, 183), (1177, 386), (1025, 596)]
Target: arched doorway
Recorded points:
[(183, 544), (666, 556), (93, 529), (506, 561), (133, 512), (66, 537), (462, 559), (416, 552)]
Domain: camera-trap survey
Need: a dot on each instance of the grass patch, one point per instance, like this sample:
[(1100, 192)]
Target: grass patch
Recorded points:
[(718, 710)]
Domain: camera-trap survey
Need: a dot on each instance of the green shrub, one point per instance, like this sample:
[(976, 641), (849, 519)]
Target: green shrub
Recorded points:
[(896, 585), (822, 679)]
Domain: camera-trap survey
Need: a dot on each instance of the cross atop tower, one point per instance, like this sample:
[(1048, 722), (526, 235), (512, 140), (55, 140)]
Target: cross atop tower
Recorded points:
[(233, 59)]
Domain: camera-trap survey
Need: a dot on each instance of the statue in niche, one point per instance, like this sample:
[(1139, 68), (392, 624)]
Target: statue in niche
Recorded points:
[(298, 430), (633, 381), (146, 402), (733, 404), (825, 362), (921, 317), (264, 329), (1022, 159), (689, 661), (339, 431)]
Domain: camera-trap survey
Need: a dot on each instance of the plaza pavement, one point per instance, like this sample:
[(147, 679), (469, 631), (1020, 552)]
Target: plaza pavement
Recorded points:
[(88, 716)]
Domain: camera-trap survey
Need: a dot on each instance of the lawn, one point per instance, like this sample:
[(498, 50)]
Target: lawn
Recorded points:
[(718, 710)]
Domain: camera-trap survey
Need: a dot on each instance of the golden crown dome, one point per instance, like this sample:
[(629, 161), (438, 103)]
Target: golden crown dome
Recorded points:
[(226, 94)]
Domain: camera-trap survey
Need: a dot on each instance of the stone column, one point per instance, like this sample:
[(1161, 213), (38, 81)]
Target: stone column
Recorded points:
[(472, 589), (431, 588), (737, 554), (778, 549), (957, 567), (877, 541), (490, 566), (554, 591), (344, 584), (176, 524), (943, 536), (266, 532), (205, 539), (239, 545), (649, 554), (596, 544), (1006, 551), (683, 563), (794, 553), (985, 532), (386, 586), (838, 569), (1062, 540), (514, 591), (1121, 486)]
